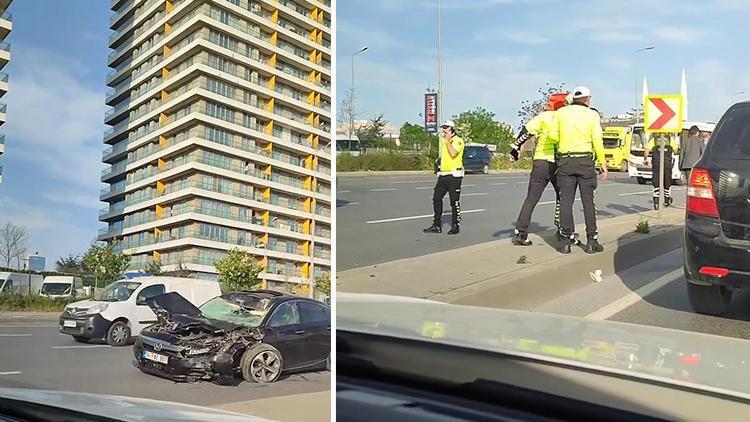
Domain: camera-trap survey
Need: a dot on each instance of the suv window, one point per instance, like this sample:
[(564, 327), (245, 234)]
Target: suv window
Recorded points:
[(470, 152), (732, 137), (285, 314), (484, 153), (312, 312), (149, 292)]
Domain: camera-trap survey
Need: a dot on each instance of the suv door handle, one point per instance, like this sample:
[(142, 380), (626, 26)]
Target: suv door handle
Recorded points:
[(299, 332)]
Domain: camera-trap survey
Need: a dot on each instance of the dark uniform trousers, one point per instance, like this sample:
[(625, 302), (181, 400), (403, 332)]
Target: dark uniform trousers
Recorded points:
[(655, 165), (451, 185), (572, 173), (542, 173)]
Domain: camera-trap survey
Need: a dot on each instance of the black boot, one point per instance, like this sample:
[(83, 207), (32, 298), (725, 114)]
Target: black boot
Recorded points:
[(656, 203), (564, 246), (593, 245), (434, 228), (520, 239), (668, 201), (454, 229)]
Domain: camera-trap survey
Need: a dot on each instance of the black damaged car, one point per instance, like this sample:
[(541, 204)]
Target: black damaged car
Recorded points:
[(253, 335)]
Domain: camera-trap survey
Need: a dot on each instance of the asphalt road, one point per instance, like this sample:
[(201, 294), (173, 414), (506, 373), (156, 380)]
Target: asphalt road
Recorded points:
[(33, 354), (652, 293), (380, 218)]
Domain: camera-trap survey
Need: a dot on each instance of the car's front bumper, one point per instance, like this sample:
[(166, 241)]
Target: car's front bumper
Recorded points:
[(91, 326), (183, 368)]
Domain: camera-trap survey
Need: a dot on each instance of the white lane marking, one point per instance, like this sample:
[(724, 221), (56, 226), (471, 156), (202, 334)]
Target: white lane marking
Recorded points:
[(383, 190), (425, 187), (350, 203), (636, 193), (407, 181), (79, 347), (415, 217), (27, 325), (552, 202), (343, 191), (15, 335), (497, 184), (11, 373), (475, 194), (468, 186), (621, 304)]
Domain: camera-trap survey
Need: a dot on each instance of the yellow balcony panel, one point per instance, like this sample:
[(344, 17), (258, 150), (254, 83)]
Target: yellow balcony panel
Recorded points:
[(164, 95), (165, 73), (275, 38), (275, 16), (161, 163), (269, 128), (311, 98), (160, 186), (272, 82), (270, 106), (169, 7), (166, 51), (167, 28), (159, 213), (162, 141)]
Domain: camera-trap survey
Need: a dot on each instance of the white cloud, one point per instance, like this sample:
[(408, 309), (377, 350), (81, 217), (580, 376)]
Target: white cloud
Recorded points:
[(88, 201), (54, 119), (514, 36), (677, 34), (612, 36)]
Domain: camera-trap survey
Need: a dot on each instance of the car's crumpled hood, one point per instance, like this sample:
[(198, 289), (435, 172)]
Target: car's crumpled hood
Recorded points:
[(705, 361), (180, 314)]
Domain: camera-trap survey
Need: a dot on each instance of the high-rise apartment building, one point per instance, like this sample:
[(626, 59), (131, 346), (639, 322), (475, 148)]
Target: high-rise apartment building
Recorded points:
[(6, 25), (220, 135)]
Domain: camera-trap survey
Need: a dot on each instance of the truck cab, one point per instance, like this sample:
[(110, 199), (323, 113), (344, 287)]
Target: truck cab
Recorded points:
[(617, 141)]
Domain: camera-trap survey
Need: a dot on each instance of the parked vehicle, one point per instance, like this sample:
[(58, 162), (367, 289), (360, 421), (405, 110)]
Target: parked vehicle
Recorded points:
[(717, 222), (19, 283), (56, 286), (617, 141), (477, 159), (256, 335), (121, 311)]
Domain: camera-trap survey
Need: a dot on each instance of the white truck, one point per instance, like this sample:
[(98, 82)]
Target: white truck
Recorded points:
[(19, 283), (642, 173), (61, 286)]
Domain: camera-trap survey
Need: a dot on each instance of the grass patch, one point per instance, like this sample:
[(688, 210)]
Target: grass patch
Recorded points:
[(33, 303), (643, 227), (522, 260)]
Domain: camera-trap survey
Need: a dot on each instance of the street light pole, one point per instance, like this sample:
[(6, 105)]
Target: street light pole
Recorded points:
[(731, 98), (635, 73), (351, 106)]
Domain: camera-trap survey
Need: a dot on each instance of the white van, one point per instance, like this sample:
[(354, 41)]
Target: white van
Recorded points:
[(121, 312), (19, 283), (61, 286)]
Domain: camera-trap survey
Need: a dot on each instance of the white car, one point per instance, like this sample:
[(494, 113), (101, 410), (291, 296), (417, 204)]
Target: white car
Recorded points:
[(60, 286), (121, 311)]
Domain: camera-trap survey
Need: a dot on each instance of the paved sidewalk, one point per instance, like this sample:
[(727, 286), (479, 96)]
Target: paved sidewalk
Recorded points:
[(310, 407), (489, 274)]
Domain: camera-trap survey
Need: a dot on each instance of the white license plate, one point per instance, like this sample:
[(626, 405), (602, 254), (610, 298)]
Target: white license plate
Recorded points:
[(69, 323), (155, 357)]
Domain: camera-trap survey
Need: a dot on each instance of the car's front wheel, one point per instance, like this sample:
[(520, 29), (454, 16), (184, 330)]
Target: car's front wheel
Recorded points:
[(641, 181), (486, 169), (710, 300), (261, 363), (118, 334), (624, 166)]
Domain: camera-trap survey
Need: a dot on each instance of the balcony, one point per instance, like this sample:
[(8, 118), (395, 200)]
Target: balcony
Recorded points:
[(6, 24)]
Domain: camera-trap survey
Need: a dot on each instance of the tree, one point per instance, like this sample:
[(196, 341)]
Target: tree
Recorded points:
[(180, 271), (71, 264), (104, 263), (530, 108), (238, 271), (480, 126), (414, 137), (347, 113), (373, 133), (153, 267), (13, 243), (323, 284)]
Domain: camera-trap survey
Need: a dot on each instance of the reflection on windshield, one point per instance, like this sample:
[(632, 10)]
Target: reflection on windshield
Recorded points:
[(221, 310), (611, 142), (56, 288), (119, 291)]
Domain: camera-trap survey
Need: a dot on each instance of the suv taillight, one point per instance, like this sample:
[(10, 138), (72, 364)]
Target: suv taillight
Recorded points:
[(700, 194)]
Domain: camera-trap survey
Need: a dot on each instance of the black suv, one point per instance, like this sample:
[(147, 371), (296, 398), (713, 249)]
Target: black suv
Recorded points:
[(717, 221), (477, 159)]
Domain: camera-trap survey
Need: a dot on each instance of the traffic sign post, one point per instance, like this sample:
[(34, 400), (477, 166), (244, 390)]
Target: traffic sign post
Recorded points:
[(663, 115)]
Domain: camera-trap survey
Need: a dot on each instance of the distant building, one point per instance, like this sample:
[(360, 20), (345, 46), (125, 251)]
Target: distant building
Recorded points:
[(6, 26)]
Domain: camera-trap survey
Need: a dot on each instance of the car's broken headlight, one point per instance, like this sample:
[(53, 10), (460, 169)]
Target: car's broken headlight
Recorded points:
[(193, 352), (97, 309)]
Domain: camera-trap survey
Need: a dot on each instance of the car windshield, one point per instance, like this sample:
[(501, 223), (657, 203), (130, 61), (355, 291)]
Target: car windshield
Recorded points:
[(220, 309), (56, 288), (611, 142), (119, 291)]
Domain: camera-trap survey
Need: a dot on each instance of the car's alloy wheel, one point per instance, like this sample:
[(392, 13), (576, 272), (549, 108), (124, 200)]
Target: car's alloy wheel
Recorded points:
[(486, 169), (262, 363)]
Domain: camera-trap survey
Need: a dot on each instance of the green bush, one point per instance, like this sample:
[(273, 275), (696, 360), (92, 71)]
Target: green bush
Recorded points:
[(503, 162), (33, 303), (378, 161)]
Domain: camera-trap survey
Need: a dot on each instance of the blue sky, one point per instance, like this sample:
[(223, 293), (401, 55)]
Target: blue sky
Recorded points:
[(498, 52), (55, 123)]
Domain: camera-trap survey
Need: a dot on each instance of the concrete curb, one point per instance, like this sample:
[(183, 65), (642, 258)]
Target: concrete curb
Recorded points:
[(305, 407), (14, 314), (488, 274)]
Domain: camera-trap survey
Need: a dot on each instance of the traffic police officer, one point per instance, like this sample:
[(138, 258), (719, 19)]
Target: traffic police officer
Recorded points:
[(543, 168), (450, 174), (670, 147), (577, 133)]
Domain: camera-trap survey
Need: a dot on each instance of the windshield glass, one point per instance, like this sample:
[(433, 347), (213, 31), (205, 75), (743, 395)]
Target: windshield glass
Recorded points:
[(119, 291), (611, 142), (222, 310), (56, 288)]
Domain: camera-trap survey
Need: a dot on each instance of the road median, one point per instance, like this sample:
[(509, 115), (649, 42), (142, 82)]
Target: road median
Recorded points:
[(498, 274), (308, 407)]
